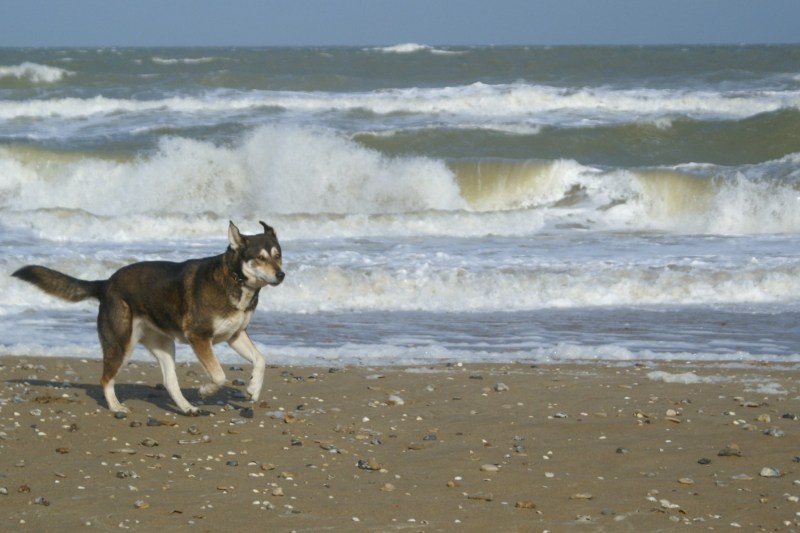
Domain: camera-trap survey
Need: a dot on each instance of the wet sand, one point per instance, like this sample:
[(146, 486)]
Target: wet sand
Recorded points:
[(476, 447)]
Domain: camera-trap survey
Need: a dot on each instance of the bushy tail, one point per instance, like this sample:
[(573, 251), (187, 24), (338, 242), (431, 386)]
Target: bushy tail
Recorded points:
[(58, 284)]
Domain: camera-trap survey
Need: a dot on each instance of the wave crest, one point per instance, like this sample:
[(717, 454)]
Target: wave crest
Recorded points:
[(34, 72)]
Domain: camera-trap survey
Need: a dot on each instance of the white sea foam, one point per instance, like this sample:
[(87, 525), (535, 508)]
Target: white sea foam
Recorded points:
[(183, 60), (317, 179), (686, 378), (543, 104), (35, 72), (413, 48)]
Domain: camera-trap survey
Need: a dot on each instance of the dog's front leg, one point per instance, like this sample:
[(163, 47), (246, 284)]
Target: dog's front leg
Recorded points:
[(242, 344), (202, 348)]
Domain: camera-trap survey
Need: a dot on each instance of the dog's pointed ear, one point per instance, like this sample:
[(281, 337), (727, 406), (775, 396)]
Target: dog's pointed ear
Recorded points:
[(268, 229), (234, 237)]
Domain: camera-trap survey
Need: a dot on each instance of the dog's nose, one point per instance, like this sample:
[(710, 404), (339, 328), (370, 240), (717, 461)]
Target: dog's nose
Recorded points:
[(280, 275)]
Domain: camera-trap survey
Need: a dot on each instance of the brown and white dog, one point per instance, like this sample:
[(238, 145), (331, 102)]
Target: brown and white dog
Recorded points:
[(200, 302)]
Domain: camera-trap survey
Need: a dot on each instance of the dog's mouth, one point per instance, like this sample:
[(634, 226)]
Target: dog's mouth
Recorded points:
[(279, 275)]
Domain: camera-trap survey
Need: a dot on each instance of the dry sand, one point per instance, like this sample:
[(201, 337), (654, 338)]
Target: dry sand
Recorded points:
[(585, 447)]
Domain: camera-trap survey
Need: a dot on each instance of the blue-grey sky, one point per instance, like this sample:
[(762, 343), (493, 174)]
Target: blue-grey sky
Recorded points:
[(371, 22)]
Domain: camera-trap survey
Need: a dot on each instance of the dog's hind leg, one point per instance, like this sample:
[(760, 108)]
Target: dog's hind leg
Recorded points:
[(202, 348), (242, 344), (163, 349), (115, 329)]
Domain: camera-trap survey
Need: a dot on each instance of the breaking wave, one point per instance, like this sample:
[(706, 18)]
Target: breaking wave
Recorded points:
[(320, 178), (34, 73)]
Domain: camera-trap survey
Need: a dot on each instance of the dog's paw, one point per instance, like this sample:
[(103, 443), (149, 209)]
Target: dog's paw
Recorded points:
[(192, 411)]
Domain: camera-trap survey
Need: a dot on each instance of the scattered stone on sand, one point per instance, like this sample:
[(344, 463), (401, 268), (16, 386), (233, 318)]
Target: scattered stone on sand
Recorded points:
[(525, 504), (482, 496), (731, 450), (769, 471), (490, 468), (394, 399)]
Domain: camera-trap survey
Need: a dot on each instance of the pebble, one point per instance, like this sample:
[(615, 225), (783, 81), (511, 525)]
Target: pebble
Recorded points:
[(774, 432), (232, 462), (388, 487), (581, 496), (666, 504), (490, 468), (501, 387), (4, 491), (525, 504), (768, 471), (704, 461), (731, 450), (277, 491), (686, 481), (483, 496), (141, 504), (369, 464), (149, 443), (120, 415), (394, 399), (128, 451)]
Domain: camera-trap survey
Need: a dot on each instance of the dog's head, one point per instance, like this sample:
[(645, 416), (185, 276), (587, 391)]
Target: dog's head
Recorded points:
[(257, 256)]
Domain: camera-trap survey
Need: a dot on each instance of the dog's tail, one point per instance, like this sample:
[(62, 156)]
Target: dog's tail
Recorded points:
[(60, 285)]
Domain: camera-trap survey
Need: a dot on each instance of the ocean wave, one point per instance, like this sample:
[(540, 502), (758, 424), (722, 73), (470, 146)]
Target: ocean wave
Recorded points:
[(317, 178), (543, 104), (182, 60), (413, 48), (416, 279), (35, 73)]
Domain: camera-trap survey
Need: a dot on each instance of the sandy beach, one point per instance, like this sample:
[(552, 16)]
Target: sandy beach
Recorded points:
[(517, 447)]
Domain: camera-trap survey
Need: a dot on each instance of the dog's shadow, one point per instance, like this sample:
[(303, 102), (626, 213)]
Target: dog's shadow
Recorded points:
[(156, 395)]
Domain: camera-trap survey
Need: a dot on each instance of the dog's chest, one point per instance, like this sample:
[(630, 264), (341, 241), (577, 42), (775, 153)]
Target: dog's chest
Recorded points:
[(227, 327)]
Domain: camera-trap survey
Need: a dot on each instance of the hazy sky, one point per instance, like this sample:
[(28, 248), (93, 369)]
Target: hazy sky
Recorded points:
[(364, 22)]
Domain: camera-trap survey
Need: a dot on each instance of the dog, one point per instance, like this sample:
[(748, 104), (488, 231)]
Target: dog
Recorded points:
[(200, 302)]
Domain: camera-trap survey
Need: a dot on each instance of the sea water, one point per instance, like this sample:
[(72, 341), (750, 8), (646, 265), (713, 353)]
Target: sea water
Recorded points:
[(433, 203)]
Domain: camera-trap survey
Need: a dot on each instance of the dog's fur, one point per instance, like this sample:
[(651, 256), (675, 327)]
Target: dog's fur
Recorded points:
[(200, 302)]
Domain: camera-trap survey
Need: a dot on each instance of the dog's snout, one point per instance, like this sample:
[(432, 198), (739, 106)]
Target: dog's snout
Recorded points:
[(280, 275)]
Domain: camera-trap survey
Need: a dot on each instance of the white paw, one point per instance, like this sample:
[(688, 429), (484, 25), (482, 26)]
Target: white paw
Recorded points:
[(253, 393)]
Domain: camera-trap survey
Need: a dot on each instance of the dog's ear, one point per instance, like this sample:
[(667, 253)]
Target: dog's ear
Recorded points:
[(234, 237), (268, 229)]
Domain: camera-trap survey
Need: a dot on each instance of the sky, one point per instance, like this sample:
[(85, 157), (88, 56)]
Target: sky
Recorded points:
[(25, 23)]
